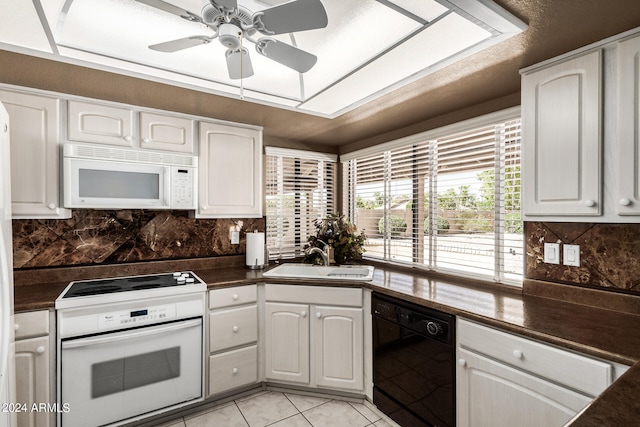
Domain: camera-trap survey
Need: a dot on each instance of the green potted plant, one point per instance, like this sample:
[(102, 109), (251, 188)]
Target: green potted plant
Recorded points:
[(344, 242)]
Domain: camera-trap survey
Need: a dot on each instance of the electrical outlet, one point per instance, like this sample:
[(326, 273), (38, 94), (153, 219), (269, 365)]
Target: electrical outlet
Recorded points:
[(235, 237), (571, 255), (552, 253)]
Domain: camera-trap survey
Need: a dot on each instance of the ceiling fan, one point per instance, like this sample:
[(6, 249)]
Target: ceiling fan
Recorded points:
[(232, 23)]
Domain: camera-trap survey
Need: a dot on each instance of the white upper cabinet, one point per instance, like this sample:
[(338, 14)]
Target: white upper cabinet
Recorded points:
[(580, 138), (561, 132), (113, 124), (103, 124), (35, 155), (164, 132), (627, 194), (230, 171)]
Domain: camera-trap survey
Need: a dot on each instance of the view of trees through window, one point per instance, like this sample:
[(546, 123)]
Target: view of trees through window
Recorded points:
[(450, 204)]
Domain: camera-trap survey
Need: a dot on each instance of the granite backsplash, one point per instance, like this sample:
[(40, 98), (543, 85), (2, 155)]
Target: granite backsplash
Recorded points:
[(97, 237), (609, 254)]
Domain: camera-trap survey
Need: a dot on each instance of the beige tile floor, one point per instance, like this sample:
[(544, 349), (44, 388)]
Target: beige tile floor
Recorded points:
[(277, 409)]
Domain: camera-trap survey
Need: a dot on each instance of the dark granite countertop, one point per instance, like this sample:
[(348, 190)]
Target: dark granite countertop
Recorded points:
[(603, 333)]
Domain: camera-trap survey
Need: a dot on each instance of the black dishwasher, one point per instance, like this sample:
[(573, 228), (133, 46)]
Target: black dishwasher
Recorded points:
[(413, 363)]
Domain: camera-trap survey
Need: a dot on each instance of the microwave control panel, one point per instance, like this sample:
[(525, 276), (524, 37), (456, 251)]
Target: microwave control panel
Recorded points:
[(183, 187)]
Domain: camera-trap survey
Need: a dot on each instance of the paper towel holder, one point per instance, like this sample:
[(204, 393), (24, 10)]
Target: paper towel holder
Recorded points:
[(257, 260)]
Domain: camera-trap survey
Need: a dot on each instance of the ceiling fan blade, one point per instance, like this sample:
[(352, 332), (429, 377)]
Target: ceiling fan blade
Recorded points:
[(287, 55), (167, 7), (227, 5), (299, 15), (180, 44), (239, 64)]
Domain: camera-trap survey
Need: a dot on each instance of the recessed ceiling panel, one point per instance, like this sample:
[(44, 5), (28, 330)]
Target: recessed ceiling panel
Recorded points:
[(368, 48), (425, 50)]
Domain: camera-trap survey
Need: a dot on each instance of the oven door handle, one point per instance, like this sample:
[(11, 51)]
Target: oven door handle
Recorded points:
[(138, 333)]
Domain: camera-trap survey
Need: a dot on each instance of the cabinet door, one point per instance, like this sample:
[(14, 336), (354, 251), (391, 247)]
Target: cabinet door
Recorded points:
[(162, 132), (287, 342), (32, 380), (338, 346), (561, 138), (494, 395), (99, 123), (230, 171), (627, 197), (35, 155)]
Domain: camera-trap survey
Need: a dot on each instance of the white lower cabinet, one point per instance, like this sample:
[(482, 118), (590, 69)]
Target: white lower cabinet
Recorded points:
[(508, 380), (33, 368), (314, 336), (287, 342), (233, 338), (338, 347)]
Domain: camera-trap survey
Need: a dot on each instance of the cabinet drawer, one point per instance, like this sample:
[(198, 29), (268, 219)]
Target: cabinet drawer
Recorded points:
[(233, 369), (314, 295), (229, 297), (573, 370), (233, 327), (31, 324)]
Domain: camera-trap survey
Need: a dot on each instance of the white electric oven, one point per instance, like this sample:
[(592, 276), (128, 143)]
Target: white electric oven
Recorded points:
[(129, 348)]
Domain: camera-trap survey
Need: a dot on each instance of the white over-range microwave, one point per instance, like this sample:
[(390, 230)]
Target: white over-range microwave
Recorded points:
[(101, 177)]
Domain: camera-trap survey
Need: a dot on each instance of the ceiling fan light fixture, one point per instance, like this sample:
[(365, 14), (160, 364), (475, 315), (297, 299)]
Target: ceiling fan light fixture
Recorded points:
[(239, 64), (230, 36)]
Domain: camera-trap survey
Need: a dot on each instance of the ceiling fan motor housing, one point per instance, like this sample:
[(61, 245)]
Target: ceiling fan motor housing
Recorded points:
[(230, 36)]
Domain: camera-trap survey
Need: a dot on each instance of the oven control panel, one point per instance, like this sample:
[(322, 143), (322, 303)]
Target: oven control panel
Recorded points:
[(139, 316)]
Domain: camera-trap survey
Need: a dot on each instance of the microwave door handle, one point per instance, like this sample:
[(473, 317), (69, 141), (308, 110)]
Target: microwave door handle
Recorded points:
[(145, 332)]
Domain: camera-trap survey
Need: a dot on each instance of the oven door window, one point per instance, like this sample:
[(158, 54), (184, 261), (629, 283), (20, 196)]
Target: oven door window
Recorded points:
[(112, 377)]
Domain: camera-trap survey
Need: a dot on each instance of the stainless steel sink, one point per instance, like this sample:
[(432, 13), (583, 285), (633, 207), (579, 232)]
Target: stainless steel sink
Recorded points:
[(307, 271)]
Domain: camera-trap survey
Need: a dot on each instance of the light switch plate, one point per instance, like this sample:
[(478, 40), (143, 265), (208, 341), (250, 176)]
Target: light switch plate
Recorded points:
[(571, 255), (552, 253)]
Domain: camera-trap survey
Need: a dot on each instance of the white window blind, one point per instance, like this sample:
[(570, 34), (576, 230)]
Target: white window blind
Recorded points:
[(300, 188), (450, 203)]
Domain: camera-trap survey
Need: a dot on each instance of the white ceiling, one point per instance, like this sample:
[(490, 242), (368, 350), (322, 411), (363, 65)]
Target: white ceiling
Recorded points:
[(369, 48)]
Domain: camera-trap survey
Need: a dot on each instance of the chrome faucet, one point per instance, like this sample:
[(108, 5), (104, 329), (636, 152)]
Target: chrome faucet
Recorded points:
[(323, 253)]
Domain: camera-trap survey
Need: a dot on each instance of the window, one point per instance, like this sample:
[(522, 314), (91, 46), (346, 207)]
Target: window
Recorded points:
[(446, 200), (300, 188)]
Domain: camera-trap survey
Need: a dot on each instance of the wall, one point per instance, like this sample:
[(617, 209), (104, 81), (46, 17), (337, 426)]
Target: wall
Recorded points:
[(93, 237), (608, 254)]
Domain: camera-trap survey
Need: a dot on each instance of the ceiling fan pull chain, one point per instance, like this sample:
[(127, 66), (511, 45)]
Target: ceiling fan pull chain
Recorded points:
[(241, 71)]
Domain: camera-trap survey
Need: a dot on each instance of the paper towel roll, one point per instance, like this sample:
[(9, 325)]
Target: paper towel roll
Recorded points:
[(255, 250)]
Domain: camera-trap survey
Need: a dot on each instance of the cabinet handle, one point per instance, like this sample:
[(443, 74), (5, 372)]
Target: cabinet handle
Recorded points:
[(517, 354), (319, 315), (462, 362), (235, 329), (51, 206), (146, 140), (204, 207), (16, 326), (234, 371), (589, 203), (127, 138), (235, 297), (303, 314), (624, 202), (40, 350)]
